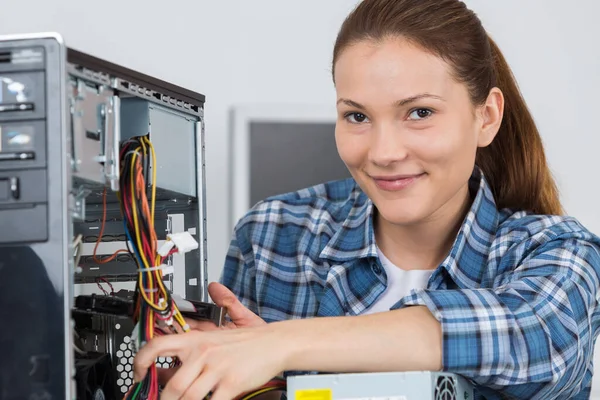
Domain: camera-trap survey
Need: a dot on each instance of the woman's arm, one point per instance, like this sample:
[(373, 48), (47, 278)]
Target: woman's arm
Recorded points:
[(399, 340), (531, 337)]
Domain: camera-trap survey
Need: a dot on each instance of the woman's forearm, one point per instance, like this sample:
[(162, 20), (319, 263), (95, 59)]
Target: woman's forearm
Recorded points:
[(409, 339)]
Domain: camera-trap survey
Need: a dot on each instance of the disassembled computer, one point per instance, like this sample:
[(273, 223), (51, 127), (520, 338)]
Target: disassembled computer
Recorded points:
[(103, 231)]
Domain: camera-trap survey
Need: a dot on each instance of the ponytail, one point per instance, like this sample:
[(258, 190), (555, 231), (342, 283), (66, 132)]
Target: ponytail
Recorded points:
[(514, 164)]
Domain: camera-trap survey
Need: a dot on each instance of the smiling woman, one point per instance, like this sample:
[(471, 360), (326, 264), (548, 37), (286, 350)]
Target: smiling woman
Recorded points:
[(447, 245), (409, 133)]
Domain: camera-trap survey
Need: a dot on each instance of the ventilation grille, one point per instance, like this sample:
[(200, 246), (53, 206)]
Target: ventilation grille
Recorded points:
[(445, 388), (124, 357)]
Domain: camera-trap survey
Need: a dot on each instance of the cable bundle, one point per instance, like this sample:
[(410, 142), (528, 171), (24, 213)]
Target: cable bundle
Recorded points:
[(153, 302), (271, 386)]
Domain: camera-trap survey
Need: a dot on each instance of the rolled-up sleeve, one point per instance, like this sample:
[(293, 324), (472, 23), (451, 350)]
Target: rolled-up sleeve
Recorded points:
[(239, 274), (530, 336)]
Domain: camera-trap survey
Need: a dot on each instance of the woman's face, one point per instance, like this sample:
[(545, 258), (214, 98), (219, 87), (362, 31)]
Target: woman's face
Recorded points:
[(407, 130)]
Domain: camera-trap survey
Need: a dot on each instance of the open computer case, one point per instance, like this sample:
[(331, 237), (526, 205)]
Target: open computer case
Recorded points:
[(67, 273)]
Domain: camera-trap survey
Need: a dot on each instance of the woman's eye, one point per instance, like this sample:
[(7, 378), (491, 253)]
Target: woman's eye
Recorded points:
[(420, 113), (356, 118)]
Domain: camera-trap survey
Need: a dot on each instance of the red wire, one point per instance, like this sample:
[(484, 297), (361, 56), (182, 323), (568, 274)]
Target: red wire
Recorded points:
[(101, 233)]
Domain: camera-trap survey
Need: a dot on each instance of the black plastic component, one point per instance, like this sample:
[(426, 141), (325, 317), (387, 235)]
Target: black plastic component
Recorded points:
[(122, 269), (108, 334), (119, 306), (95, 377), (206, 312), (24, 225), (26, 188), (96, 64), (104, 305), (22, 59), (23, 206), (22, 144), (113, 227), (22, 95)]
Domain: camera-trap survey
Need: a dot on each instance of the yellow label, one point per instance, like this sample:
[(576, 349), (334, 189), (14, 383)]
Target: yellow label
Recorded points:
[(314, 394)]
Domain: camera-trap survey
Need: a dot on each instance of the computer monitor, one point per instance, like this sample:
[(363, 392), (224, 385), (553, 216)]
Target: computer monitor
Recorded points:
[(276, 149)]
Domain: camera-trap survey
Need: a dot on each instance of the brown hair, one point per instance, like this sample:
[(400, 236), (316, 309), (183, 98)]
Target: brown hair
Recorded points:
[(514, 164)]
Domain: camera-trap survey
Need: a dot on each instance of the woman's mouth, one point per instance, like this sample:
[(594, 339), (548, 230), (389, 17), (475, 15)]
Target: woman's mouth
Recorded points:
[(394, 183)]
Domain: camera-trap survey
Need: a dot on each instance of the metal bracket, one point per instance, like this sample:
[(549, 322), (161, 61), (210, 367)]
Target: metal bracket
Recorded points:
[(111, 116), (78, 206), (78, 88), (95, 132)]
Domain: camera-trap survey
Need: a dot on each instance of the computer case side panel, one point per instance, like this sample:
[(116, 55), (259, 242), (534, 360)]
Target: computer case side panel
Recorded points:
[(35, 264)]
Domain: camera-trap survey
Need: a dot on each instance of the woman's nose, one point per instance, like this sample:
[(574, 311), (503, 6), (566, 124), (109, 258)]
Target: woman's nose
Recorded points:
[(387, 146)]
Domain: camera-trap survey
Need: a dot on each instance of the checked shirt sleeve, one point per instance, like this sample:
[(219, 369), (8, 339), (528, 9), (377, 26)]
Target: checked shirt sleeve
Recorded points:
[(531, 336), (239, 274)]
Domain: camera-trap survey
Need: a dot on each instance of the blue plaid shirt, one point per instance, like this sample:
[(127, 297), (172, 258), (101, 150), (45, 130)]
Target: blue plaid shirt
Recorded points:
[(516, 296)]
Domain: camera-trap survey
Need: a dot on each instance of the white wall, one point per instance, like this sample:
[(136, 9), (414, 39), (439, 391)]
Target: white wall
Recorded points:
[(272, 51), (232, 51)]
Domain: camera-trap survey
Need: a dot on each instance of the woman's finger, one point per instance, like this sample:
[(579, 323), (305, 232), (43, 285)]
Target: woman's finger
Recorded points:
[(223, 393), (204, 326), (163, 346), (207, 326), (202, 386), (184, 378)]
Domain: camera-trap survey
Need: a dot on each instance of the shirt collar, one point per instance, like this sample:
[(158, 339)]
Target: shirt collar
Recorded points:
[(467, 259)]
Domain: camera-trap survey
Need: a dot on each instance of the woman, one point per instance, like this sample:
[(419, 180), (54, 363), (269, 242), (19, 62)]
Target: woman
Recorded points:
[(445, 251)]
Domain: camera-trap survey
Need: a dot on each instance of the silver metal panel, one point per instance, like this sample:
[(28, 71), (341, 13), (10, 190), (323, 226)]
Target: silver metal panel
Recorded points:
[(95, 132), (178, 287), (39, 362), (379, 386), (173, 135), (202, 231)]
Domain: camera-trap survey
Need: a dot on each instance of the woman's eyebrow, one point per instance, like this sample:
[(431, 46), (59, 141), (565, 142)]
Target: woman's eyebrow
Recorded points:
[(399, 103)]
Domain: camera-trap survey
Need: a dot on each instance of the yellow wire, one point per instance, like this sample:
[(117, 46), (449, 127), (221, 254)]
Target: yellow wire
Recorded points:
[(138, 236), (134, 209), (261, 391), (153, 174), (176, 313)]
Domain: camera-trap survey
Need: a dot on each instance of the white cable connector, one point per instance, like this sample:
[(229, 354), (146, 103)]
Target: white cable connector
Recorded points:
[(182, 304), (166, 248), (184, 241)]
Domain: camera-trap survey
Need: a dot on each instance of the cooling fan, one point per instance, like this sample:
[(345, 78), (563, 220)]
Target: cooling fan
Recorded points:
[(95, 377)]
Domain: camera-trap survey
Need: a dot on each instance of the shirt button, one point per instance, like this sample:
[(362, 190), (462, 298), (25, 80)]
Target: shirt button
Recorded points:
[(376, 268)]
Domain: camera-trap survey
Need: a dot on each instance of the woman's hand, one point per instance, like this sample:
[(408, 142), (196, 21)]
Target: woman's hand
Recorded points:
[(228, 362), (240, 316)]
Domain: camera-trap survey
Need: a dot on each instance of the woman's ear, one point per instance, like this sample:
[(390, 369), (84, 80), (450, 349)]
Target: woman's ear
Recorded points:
[(491, 117)]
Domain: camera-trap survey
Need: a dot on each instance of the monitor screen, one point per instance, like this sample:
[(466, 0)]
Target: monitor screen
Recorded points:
[(286, 157), (280, 149)]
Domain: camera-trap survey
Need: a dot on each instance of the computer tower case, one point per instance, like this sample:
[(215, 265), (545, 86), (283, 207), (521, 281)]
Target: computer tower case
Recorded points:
[(63, 116)]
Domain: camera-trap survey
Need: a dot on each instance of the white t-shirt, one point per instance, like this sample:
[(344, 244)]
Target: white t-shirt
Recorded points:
[(400, 282)]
